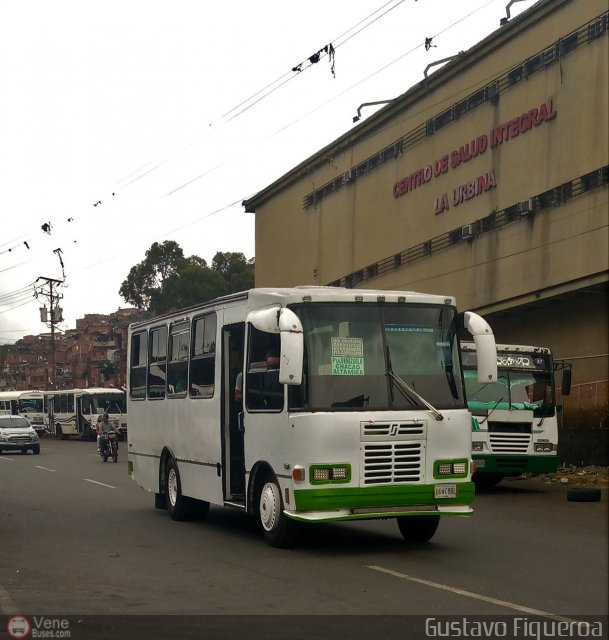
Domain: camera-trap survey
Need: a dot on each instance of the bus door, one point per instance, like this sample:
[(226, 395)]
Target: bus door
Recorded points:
[(234, 462), (84, 424)]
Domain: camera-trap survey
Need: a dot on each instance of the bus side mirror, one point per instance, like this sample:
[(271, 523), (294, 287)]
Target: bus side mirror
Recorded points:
[(292, 348), (566, 382), (486, 349)]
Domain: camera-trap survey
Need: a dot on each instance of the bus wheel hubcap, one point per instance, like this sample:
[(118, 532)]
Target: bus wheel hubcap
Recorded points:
[(269, 505), (172, 486)]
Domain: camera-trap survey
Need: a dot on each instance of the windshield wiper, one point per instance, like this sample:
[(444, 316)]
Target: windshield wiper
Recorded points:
[(406, 387), (407, 390), (491, 411)]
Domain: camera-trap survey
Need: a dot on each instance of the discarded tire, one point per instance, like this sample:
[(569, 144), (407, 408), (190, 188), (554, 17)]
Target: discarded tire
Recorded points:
[(583, 494)]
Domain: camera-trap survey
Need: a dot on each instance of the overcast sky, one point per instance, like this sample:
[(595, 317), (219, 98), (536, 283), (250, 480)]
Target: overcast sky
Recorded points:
[(169, 114)]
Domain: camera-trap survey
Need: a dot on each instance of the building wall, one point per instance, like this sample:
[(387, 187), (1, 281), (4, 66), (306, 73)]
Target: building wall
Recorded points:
[(536, 265)]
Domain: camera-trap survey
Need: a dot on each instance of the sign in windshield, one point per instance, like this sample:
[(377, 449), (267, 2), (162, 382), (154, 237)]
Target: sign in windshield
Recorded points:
[(508, 360)]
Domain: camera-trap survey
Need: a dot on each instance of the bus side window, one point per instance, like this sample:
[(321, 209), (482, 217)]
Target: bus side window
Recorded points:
[(157, 363), (86, 405), (203, 357), (177, 368), (137, 376), (263, 390)]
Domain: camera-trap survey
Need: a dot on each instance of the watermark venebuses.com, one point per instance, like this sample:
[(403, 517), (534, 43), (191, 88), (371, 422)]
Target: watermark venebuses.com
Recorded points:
[(517, 627), (38, 627)]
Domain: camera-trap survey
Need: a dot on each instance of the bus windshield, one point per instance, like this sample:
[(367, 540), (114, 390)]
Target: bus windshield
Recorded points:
[(353, 354), (31, 405), (513, 390), (110, 403)]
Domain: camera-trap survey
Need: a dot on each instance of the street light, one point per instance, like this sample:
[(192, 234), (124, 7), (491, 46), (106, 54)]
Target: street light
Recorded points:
[(368, 104)]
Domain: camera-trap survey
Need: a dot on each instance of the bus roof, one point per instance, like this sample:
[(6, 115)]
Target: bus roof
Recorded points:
[(283, 296), (90, 390), (6, 395)]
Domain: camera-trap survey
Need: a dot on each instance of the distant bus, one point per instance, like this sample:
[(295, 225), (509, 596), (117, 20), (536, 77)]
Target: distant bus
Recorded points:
[(362, 415), (74, 412), (29, 404), (514, 422)]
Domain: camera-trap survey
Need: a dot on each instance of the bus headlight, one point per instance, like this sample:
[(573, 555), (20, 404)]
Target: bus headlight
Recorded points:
[(477, 445), (322, 473), (450, 468), (543, 447)]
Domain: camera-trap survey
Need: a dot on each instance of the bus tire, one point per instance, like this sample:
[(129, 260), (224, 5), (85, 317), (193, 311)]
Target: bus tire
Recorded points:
[(277, 528), (177, 504), (418, 529), (583, 494)]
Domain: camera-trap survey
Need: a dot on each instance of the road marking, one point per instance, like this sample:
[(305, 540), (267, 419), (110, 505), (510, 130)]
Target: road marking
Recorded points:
[(45, 468), (5, 458), (103, 484), (7, 606), (470, 594)]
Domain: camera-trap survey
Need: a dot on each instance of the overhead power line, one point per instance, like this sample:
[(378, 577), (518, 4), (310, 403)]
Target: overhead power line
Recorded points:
[(251, 101)]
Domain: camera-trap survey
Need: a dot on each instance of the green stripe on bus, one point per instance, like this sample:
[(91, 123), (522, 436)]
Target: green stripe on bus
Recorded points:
[(517, 464), (387, 496)]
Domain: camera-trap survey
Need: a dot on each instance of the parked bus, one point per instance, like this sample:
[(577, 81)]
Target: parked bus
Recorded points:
[(29, 404), (74, 412), (365, 417), (514, 421)]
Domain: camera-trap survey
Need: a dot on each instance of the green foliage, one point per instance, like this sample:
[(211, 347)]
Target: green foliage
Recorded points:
[(165, 280)]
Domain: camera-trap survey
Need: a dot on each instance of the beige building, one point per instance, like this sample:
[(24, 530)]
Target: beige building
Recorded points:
[(487, 180)]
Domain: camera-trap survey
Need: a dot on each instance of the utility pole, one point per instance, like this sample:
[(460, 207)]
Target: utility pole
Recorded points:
[(53, 319)]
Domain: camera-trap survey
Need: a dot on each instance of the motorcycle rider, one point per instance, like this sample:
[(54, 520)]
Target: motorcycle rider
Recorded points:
[(103, 426)]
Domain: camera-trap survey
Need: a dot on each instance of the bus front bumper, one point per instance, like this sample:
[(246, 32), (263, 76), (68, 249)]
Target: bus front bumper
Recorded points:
[(514, 465), (368, 503)]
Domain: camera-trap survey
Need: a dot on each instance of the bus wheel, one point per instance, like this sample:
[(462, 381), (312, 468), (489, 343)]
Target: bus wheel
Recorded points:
[(418, 528), (58, 432), (278, 529), (177, 505)]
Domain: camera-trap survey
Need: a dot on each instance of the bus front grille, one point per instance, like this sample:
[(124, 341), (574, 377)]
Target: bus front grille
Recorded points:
[(391, 462), (509, 442)]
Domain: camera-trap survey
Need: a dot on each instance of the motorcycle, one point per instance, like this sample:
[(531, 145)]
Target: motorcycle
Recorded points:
[(108, 446)]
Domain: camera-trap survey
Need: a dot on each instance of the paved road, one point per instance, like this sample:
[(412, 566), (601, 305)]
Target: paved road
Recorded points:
[(78, 536)]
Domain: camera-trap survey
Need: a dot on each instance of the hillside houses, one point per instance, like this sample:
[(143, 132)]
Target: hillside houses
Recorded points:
[(94, 354)]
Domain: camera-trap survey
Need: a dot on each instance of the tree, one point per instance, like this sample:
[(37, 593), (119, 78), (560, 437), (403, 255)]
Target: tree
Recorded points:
[(144, 279), (165, 280), (192, 284), (237, 271)]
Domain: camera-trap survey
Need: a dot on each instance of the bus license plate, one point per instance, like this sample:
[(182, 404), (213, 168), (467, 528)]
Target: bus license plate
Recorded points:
[(445, 491)]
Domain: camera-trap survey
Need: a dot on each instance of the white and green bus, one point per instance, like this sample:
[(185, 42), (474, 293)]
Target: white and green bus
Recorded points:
[(29, 403), (364, 418), (74, 412), (514, 420)]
